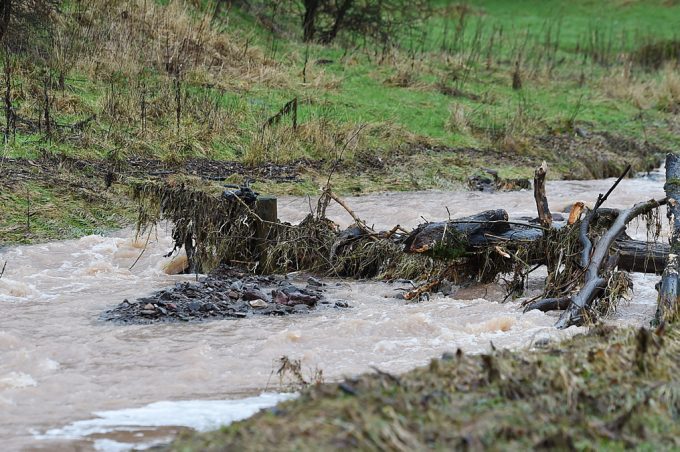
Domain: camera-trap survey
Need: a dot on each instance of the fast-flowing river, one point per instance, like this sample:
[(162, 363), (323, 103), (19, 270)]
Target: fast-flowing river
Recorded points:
[(69, 381)]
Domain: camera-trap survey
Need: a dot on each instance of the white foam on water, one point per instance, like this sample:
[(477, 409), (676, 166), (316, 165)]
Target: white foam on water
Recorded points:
[(200, 415), (15, 290), (109, 445), (17, 380)]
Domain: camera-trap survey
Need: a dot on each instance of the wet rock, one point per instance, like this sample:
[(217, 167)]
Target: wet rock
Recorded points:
[(446, 288), (581, 132), (254, 294), (147, 312), (258, 304), (448, 356), (312, 281), (237, 286), (296, 298), (347, 388), (234, 295), (541, 342), (341, 304), (279, 297), (301, 308), (243, 192)]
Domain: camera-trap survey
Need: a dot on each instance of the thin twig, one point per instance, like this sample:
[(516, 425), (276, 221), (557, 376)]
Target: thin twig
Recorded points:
[(361, 223), (148, 236), (342, 151), (583, 230)]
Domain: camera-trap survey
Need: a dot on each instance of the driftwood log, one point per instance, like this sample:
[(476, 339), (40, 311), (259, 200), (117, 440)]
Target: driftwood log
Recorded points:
[(492, 228)]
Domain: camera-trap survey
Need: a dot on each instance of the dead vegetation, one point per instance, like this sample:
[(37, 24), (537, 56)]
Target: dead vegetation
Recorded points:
[(127, 38), (209, 227), (218, 230)]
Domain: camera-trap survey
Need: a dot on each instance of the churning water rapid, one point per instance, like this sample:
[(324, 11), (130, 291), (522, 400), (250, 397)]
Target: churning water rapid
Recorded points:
[(68, 380)]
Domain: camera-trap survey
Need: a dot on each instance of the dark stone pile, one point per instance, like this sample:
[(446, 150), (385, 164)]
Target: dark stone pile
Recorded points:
[(223, 294)]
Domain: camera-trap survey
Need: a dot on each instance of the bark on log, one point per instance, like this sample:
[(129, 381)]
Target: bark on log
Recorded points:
[(548, 304), (667, 308), (474, 228), (641, 257)]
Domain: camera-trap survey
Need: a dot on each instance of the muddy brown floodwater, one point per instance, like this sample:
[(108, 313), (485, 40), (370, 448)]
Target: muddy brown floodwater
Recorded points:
[(69, 380)]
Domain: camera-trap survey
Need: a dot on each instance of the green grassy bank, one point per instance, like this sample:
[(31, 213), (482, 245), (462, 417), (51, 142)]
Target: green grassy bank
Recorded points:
[(172, 81)]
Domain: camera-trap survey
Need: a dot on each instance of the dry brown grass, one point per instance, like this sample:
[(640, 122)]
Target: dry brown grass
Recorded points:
[(458, 121), (661, 91), (125, 37), (323, 139)]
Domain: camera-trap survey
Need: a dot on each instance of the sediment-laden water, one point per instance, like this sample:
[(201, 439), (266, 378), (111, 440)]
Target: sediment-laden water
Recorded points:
[(60, 364)]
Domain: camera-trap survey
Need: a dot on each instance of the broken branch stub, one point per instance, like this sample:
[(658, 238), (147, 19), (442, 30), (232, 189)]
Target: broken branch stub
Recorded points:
[(544, 215)]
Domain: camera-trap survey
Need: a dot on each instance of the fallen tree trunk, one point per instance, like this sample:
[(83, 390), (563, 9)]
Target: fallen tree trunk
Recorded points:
[(641, 257), (467, 231), (491, 228), (479, 247), (667, 309)]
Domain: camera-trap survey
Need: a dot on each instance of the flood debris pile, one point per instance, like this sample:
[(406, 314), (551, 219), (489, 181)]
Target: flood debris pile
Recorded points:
[(209, 225), (609, 389), (216, 226), (588, 255), (317, 245), (223, 294)]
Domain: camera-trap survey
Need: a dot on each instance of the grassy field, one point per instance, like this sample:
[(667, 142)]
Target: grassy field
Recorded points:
[(168, 81)]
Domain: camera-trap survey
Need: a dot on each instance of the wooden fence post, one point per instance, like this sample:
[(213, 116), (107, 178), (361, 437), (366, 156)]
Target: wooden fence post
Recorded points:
[(266, 209)]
